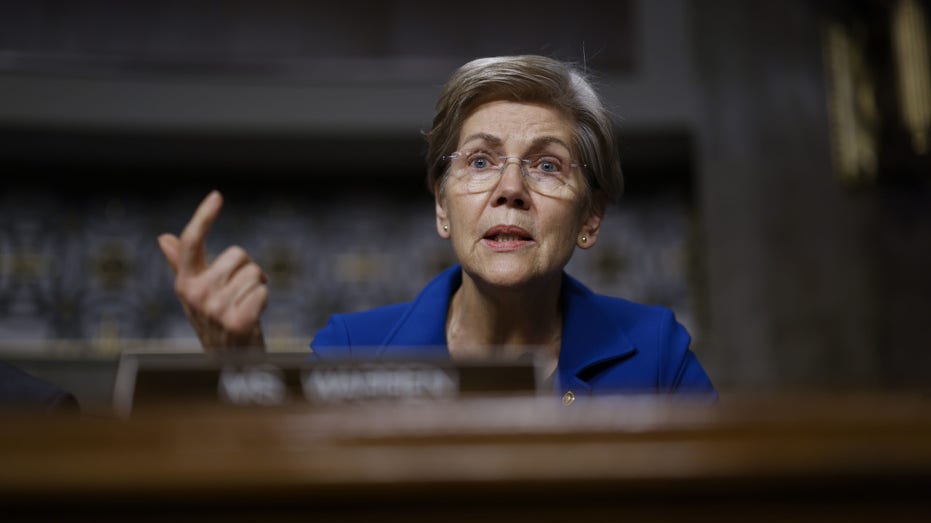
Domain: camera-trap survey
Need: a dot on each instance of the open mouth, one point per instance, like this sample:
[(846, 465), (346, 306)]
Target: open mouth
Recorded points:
[(507, 235)]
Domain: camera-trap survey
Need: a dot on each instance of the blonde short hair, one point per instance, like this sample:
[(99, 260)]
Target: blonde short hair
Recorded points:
[(528, 79)]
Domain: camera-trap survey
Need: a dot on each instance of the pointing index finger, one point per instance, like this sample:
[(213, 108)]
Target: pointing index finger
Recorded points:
[(193, 249)]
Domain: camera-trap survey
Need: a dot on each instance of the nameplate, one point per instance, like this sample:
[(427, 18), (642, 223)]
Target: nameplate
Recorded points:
[(277, 379)]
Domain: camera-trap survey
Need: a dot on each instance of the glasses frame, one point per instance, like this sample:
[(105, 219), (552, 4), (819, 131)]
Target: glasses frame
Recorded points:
[(522, 162)]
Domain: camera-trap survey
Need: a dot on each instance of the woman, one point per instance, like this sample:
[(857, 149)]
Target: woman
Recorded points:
[(522, 163)]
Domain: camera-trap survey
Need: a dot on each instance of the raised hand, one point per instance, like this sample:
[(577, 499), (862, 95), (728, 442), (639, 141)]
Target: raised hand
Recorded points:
[(224, 300)]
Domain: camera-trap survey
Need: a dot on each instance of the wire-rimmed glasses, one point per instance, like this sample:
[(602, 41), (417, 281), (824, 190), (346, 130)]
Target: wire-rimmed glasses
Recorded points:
[(546, 173)]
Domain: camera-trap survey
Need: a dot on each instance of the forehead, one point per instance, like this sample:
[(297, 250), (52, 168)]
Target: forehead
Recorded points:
[(514, 123)]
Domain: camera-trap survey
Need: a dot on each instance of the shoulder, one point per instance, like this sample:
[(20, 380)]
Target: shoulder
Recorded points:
[(630, 345), (639, 322), (628, 312), (421, 322), (652, 329), (645, 325), (358, 329), (664, 344)]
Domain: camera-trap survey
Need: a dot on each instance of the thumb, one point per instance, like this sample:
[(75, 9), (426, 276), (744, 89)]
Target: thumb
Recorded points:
[(169, 244)]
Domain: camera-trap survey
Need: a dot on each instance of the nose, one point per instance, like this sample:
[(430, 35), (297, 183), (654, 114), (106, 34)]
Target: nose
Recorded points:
[(511, 189)]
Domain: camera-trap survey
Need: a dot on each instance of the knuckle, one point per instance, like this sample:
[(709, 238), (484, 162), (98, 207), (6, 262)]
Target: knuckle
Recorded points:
[(253, 271), (258, 296), (214, 308), (236, 253), (200, 294), (189, 291)]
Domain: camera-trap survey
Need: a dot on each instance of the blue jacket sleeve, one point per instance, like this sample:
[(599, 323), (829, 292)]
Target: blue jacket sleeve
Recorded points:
[(681, 373)]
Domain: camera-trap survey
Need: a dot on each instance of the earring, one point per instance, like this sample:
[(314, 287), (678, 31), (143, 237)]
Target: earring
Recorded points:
[(583, 238), (445, 227)]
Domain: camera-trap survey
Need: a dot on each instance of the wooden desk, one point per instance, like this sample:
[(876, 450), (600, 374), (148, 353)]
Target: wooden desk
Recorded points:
[(852, 458)]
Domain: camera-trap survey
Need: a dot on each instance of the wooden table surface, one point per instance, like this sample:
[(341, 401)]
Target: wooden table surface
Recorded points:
[(800, 458)]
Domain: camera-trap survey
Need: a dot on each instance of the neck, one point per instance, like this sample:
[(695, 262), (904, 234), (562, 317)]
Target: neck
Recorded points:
[(485, 321)]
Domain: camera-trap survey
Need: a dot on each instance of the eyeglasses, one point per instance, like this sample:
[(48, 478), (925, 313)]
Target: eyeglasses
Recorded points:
[(545, 173)]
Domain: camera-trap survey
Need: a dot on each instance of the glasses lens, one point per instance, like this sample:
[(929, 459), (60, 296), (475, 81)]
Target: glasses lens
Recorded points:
[(548, 172), (481, 170)]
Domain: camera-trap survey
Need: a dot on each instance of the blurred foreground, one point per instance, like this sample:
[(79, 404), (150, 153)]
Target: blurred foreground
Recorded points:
[(508, 458)]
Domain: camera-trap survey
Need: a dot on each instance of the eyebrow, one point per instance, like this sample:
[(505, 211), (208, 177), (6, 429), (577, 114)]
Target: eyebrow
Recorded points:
[(490, 138), (537, 144)]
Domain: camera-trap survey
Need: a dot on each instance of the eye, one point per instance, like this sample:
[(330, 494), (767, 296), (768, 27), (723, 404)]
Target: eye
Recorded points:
[(549, 165), (479, 161)]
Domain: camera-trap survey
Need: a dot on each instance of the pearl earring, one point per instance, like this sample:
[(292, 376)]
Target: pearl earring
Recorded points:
[(446, 227), (583, 238)]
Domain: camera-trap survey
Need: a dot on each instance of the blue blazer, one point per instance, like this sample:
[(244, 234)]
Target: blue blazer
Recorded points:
[(20, 390), (609, 345)]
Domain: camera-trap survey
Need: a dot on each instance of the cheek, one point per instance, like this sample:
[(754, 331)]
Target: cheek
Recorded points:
[(568, 223), (463, 211)]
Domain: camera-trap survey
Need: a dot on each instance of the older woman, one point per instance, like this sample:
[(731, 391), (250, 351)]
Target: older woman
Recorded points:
[(522, 163)]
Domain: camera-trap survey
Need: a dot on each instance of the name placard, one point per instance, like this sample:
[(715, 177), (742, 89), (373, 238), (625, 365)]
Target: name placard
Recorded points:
[(276, 379)]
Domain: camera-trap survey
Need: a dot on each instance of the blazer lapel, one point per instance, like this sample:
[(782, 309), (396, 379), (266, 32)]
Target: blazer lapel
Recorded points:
[(421, 331), (591, 340)]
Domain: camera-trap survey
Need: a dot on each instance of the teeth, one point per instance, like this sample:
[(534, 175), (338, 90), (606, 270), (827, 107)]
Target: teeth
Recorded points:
[(506, 238)]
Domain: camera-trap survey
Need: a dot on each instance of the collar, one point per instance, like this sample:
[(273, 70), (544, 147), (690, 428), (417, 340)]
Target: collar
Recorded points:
[(590, 339)]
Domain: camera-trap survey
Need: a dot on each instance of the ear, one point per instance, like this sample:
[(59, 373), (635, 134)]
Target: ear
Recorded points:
[(442, 219), (592, 223)]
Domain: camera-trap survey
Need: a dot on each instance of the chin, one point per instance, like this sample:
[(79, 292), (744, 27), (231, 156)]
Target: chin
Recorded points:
[(507, 274)]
